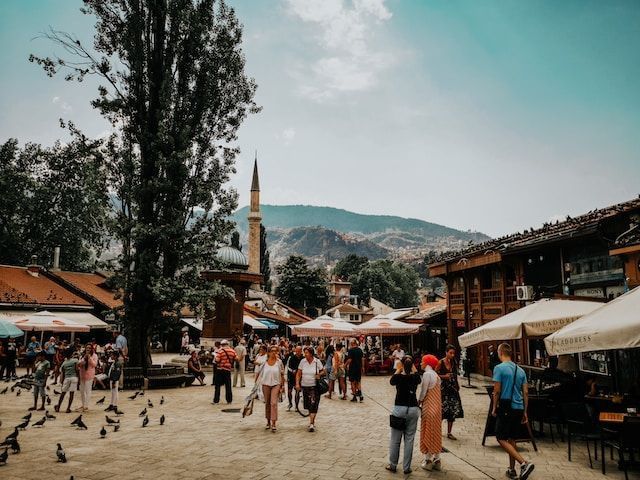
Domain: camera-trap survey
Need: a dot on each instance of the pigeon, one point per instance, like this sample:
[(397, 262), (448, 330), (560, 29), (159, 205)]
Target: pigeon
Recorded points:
[(23, 425), (15, 446), (101, 401), (49, 387), (49, 416), (162, 420), (149, 404), (162, 400), (143, 413), (145, 422), (134, 396), (4, 390), (103, 432), (40, 423), (77, 420), (62, 457), (81, 425), (27, 416), (116, 428), (48, 400), (18, 393), (4, 455), (111, 421), (11, 436), (117, 412)]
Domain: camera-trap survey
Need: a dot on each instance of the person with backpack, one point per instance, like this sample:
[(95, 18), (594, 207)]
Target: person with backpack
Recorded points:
[(510, 401)]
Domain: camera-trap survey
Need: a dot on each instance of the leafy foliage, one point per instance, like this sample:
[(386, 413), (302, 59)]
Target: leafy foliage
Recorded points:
[(392, 283), (175, 90), (350, 266), (54, 196), (302, 287)]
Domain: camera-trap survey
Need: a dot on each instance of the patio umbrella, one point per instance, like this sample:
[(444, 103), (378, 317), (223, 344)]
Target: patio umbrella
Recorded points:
[(615, 325), (535, 320), (382, 325), (9, 330), (324, 326), (47, 322)]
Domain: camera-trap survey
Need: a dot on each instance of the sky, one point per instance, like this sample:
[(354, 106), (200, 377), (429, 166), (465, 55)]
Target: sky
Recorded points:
[(493, 116)]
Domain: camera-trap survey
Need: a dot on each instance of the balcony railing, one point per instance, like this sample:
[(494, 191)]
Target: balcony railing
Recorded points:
[(492, 295), (510, 294), (456, 298)]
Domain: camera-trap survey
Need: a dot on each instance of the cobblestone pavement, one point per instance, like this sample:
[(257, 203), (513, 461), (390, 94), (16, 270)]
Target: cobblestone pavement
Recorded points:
[(200, 441)]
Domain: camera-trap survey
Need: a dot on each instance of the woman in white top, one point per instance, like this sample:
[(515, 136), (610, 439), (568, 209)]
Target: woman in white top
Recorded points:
[(258, 362), (309, 371), (272, 380)]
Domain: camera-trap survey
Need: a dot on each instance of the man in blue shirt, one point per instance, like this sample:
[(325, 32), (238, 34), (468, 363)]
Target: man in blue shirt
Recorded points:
[(510, 401)]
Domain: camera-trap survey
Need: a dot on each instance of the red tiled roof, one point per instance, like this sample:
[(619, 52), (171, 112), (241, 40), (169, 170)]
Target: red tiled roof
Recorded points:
[(17, 286), (90, 284)]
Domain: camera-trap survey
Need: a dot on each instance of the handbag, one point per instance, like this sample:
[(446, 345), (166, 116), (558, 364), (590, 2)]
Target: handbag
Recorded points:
[(504, 405), (321, 384), (398, 423)]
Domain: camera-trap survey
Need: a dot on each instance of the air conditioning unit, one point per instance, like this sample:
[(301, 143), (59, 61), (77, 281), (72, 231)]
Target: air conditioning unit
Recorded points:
[(524, 292)]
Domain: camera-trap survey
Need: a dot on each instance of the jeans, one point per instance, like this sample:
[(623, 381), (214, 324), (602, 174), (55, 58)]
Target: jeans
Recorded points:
[(223, 377), (412, 414)]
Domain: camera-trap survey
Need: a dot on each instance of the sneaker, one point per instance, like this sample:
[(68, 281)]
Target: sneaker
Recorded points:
[(390, 468), (427, 465), (361, 398), (312, 428), (511, 473), (526, 469), (407, 472)]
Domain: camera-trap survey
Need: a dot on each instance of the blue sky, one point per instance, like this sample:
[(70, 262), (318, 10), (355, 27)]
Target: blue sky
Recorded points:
[(476, 114)]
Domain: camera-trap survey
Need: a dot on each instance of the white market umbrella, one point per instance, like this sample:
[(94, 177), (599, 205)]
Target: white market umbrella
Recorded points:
[(47, 322), (535, 320), (324, 326), (614, 325), (253, 323), (381, 325)]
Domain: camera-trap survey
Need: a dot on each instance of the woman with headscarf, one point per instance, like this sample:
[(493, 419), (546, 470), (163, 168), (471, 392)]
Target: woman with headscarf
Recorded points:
[(430, 401)]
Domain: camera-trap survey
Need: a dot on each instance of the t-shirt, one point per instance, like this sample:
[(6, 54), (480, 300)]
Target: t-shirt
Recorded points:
[(355, 354), (406, 388), (397, 355), (32, 349), (121, 342), (293, 361), (225, 358), (69, 367), (41, 369), (503, 374), (309, 371)]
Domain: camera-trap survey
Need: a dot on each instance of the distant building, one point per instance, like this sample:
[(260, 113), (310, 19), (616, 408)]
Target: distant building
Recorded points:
[(351, 313), (339, 291)]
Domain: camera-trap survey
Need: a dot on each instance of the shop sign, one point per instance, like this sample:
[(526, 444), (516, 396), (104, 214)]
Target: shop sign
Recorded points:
[(460, 324), (590, 292)]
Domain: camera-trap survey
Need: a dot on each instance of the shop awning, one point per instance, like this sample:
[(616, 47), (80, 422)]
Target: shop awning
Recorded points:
[(253, 323), (537, 319), (614, 325), (324, 326), (86, 318), (268, 323), (193, 322)]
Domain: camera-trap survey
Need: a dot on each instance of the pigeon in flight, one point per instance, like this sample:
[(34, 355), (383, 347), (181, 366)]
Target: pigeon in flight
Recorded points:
[(62, 457), (145, 422)]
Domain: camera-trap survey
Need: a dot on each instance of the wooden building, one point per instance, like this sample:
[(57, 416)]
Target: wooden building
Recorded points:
[(587, 256)]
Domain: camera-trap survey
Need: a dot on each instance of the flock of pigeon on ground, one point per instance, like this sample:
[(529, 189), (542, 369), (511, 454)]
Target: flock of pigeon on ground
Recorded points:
[(11, 441)]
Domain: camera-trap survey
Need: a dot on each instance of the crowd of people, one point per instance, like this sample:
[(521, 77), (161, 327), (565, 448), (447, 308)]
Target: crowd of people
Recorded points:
[(70, 365)]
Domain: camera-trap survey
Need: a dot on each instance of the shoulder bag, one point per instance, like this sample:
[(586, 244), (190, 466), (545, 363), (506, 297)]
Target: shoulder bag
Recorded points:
[(321, 383), (398, 423), (504, 405)]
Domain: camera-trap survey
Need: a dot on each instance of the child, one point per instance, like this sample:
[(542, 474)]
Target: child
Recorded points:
[(114, 379), (68, 378), (40, 374)]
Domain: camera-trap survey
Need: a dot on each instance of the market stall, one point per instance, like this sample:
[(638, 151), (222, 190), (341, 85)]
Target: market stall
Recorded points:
[(324, 326)]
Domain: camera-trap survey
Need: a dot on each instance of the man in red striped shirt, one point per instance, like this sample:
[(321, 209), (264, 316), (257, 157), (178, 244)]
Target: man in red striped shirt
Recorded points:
[(225, 358)]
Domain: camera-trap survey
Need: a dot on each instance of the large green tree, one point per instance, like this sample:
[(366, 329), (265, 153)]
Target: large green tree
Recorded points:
[(174, 87), (392, 283), (300, 286), (53, 196), (350, 266)]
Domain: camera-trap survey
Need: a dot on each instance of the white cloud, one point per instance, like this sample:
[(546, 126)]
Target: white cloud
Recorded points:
[(287, 135), (345, 32), (66, 108)]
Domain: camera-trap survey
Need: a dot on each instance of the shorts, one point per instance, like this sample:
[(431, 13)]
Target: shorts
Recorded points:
[(355, 375), (38, 391), (70, 384), (291, 380), (509, 424)]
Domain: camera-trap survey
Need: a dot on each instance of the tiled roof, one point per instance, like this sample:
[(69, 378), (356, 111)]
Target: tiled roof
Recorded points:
[(257, 313), (430, 310), (90, 284), (18, 286), (550, 232), (345, 308)]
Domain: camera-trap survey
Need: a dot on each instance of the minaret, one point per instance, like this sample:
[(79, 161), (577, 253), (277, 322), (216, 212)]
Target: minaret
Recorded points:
[(254, 222)]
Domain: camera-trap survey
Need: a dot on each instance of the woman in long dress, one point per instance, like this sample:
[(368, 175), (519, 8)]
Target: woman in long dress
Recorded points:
[(447, 370), (430, 402)]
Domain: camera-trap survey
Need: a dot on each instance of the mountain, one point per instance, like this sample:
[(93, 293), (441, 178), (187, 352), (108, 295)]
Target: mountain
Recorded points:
[(325, 235)]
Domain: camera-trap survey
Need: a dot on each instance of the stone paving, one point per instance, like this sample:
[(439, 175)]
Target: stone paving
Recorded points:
[(200, 441)]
